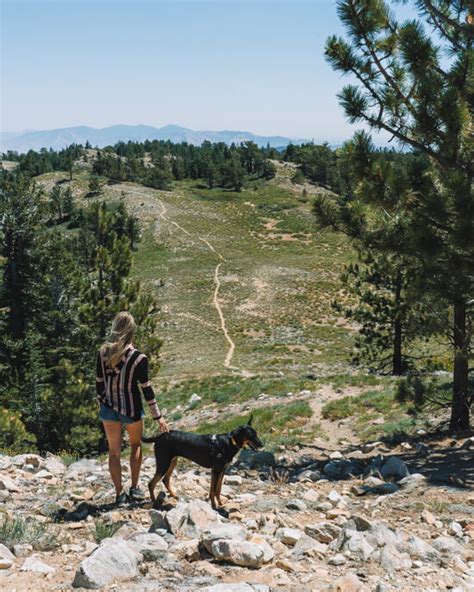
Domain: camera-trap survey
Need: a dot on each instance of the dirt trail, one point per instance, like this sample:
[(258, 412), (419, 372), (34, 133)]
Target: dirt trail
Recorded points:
[(215, 298)]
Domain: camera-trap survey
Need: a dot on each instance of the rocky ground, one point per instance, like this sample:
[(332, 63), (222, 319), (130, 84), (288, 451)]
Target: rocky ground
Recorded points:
[(305, 519)]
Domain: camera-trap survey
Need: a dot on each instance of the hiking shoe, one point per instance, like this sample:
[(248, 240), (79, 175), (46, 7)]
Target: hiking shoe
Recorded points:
[(121, 499), (136, 494)]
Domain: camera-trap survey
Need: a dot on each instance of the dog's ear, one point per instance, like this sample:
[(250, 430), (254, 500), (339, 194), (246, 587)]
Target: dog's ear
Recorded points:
[(250, 420)]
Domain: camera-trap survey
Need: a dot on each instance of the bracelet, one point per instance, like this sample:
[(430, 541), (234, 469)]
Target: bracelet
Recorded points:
[(157, 418)]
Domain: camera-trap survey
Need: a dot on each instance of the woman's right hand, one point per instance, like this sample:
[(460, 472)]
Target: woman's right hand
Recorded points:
[(163, 425)]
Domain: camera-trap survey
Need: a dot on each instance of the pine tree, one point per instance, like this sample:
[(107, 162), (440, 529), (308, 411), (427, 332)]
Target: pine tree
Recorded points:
[(426, 103)]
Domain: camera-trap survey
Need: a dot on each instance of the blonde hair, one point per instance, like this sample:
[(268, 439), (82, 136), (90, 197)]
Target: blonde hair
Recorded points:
[(121, 335)]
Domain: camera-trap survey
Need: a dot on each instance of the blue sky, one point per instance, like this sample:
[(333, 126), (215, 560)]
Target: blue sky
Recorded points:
[(247, 65)]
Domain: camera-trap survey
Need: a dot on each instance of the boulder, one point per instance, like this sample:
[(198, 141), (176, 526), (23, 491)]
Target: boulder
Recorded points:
[(447, 546), (296, 504), (188, 550), (54, 465), (256, 459), (348, 583), (22, 460), (392, 560), (417, 548), (289, 536), (307, 546), (34, 563), (343, 469), (114, 559), (241, 587), (190, 518), (222, 531), (268, 552), (82, 467), (324, 532), (354, 543), (394, 468), (152, 546), (7, 484), (240, 553), (7, 559)]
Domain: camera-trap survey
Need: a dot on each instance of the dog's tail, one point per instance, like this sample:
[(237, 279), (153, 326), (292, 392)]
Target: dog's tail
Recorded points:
[(151, 439)]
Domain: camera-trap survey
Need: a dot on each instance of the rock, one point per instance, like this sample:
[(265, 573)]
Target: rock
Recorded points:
[(158, 520), (337, 559), (7, 559), (307, 546), (447, 546), (240, 553), (194, 399), (35, 564), (256, 460), (355, 544), (336, 455), (311, 495), (22, 460), (5, 495), (152, 546), (391, 560), (241, 587), (308, 474), (22, 550), (43, 474), (428, 518), (343, 469), (348, 583), (7, 484), (334, 497), (296, 504), (54, 465), (383, 489), (394, 468), (418, 548), (82, 467), (188, 550), (222, 531), (412, 482), (189, 518), (233, 479), (455, 529), (268, 553), (289, 536), (114, 559), (324, 532)]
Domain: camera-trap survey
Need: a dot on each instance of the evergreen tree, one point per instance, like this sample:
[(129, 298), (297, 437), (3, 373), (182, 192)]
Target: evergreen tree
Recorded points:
[(426, 104)]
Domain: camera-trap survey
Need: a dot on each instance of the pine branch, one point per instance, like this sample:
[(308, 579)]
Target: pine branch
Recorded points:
[(432, 9)]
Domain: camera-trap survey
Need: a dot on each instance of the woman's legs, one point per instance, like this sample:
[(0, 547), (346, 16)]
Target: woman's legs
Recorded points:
[(113, 431), (135, 433)]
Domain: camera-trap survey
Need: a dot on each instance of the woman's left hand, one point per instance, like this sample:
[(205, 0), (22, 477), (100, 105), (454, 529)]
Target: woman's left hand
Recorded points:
[(163, 425)]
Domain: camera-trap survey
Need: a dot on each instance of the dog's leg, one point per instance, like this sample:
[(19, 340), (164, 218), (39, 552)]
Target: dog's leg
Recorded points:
[(220, 479), (212, 492), (152, 484), (167, 477)]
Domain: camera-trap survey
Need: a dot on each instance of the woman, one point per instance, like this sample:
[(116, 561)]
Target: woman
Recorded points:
[(121, 369)]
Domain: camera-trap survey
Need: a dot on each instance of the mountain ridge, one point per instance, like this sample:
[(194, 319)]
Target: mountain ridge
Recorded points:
[(61, 137)]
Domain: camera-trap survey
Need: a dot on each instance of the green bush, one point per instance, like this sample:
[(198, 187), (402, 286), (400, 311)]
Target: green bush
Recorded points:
[(13, 433)]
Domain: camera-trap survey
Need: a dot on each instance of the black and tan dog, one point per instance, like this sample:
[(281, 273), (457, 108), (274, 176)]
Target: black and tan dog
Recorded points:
[(213, 451)]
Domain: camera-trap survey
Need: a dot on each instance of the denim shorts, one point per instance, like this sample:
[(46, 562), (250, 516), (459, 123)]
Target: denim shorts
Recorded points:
[(109, 414)]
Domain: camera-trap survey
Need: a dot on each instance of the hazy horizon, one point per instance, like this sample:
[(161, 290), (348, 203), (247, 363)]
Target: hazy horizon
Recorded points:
[(230, 65)]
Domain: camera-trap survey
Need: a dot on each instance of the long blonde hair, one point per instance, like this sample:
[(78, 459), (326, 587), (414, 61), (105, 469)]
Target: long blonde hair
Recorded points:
[(121, 335)]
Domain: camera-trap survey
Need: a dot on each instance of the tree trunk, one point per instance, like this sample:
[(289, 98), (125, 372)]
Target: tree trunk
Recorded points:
[(460, 408), (397, 360), (397, 363)]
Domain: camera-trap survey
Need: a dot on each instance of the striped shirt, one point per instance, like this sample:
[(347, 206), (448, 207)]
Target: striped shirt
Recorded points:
[(118, 387)]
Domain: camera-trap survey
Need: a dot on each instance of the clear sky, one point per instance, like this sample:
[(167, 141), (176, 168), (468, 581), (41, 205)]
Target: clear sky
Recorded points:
[(243, 65)]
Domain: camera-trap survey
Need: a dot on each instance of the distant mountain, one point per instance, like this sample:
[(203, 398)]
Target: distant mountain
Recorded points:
[(60, 138)]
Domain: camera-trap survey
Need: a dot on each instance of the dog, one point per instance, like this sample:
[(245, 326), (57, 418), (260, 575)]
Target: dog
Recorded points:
[(212, 451)]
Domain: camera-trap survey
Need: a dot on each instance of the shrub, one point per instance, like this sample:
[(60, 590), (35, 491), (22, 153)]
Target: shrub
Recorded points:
[(13, 433)]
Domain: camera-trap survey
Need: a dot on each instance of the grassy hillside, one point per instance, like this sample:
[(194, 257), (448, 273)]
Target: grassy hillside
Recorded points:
[(277, 276)]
